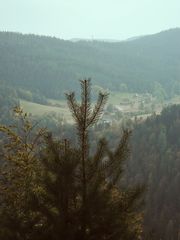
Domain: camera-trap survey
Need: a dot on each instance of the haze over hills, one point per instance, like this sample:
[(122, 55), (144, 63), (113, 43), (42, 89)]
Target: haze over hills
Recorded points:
[(50, 66), (93, 39), (35, 71)]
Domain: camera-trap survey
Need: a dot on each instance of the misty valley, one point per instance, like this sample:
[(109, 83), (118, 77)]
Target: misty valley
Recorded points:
[(90, 138)]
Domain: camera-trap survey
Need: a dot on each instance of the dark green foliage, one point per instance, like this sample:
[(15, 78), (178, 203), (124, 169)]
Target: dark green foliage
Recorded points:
[(57, 200), (111, 213), (63, 191)]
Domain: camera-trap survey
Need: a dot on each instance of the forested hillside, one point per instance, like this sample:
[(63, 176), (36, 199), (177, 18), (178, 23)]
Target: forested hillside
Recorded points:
[(49, 66), (156, 163), (8, 100)]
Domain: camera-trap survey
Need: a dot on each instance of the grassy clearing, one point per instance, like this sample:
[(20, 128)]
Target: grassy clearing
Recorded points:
[(39, 109), (129, 103)]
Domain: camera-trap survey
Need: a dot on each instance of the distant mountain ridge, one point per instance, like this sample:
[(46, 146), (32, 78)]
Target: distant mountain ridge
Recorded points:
[(51, 66), (94, 39)]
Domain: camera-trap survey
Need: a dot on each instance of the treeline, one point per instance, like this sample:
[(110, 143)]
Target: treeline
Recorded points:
[(51, 189), (47, 66)]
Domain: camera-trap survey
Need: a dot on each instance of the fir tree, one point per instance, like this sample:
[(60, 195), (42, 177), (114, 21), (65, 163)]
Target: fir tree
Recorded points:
[(101, 174), (85, 118)]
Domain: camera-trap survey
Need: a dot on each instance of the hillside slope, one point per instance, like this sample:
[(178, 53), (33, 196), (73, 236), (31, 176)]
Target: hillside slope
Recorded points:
[(50, 66)]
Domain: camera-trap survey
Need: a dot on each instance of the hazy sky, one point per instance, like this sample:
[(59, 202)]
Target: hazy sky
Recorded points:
[(110, 19)]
